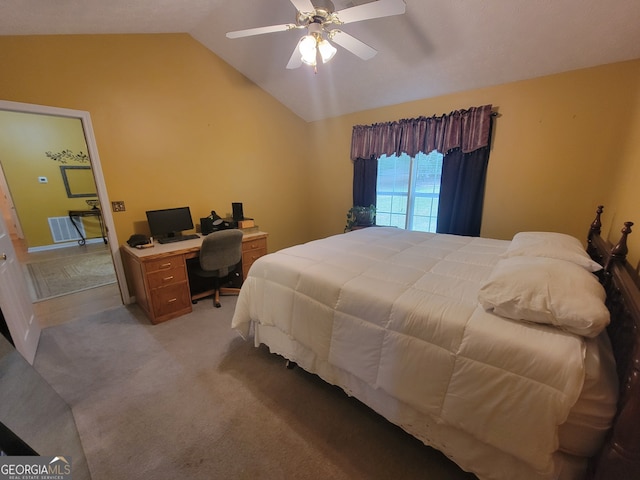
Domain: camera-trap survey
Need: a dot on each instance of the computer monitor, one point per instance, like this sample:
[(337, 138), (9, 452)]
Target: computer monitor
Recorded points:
[(169, 222)]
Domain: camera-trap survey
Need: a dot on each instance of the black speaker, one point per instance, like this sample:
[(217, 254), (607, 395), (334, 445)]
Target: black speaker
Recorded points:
[(206, 225), (237, 211)]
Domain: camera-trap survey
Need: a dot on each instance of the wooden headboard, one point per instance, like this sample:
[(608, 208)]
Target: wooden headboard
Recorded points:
[(619, 458)]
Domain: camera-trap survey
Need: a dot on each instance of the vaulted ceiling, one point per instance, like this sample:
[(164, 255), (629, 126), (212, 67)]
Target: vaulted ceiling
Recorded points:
[(436, 47)]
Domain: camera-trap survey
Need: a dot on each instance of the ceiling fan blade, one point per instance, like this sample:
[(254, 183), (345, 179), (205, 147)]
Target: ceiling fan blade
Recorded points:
[(352, 44), (380, 8), (304, 6), (296, 58), (260, 30)]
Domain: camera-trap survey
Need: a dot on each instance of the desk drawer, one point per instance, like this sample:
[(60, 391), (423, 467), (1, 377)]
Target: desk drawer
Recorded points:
[(249, 257), (166, 263), (170, 276), (252, 250), (170, 299), (254, 244)]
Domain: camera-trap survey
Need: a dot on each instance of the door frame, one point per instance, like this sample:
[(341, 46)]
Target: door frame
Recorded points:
[(94, 158), (7, 204)]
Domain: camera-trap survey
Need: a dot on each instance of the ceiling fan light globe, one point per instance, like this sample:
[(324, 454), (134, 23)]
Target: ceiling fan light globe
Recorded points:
[(308, 50), (327, 51), (307, 45), (309, 59)]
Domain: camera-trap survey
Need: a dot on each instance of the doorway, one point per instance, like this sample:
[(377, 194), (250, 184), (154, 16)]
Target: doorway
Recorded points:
[(94, 162)]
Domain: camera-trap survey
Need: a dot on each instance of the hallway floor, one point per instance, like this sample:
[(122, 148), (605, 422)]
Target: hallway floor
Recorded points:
[(70, 307)]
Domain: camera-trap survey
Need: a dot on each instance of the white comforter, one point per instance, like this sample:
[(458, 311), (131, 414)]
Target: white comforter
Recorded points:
[(399, 311)]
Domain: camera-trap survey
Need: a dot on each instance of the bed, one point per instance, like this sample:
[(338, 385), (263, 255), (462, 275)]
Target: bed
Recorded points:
[(452, 339)]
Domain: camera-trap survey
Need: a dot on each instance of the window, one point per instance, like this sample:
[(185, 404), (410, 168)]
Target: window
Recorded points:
[(408, 190)]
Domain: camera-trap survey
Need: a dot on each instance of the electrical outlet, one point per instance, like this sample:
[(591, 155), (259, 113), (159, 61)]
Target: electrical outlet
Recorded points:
[(117, 206)]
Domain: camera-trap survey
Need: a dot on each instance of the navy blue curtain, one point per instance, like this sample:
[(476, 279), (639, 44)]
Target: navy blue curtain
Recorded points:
[(462, 192), (365, 180)]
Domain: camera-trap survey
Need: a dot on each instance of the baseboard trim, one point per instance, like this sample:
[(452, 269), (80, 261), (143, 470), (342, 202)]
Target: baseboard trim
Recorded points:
[(44, 248)]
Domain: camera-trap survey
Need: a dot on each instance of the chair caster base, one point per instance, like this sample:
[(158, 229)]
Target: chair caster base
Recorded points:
[(217, 304)]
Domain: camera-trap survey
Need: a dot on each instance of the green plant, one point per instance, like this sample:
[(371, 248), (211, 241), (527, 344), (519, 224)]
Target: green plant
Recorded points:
[(360, 216)]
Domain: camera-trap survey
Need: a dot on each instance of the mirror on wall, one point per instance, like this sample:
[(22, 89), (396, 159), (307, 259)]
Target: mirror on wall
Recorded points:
[(78, 181)]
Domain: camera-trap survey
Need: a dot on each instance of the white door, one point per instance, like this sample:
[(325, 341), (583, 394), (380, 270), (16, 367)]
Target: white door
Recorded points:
[(15, 302)]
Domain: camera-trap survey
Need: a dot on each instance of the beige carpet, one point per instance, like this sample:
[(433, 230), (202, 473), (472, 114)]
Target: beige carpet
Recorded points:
[(69, 274), (189, 399)]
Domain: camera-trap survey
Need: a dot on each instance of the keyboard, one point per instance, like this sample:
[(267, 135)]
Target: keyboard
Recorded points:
[(178, 238)]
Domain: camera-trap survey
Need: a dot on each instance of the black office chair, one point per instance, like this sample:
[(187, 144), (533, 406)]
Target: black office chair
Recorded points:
[(220, 253)]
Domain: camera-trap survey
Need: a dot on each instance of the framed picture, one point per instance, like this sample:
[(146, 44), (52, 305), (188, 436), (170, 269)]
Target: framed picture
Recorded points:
[(78, 181)]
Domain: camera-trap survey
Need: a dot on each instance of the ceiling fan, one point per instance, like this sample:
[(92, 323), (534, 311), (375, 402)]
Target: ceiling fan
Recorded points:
[(319, 18)]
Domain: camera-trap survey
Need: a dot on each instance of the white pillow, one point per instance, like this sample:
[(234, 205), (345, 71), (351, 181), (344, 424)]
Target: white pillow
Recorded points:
[(551, 245), (548, 291)]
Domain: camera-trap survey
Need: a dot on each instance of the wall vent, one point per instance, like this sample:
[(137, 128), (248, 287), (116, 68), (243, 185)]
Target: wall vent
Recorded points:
[(62, 230)]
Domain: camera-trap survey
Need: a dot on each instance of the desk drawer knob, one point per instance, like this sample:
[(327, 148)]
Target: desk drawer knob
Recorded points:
[(166, 279), (166, 265), (172, 300)]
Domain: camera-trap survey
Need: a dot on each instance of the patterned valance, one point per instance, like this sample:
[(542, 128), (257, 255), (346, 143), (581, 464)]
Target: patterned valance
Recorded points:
[(464, 129)]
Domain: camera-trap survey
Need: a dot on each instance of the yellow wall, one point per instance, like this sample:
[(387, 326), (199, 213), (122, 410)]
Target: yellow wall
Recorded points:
[(24, 140), (176, 125), (625, 195), (562, 145)]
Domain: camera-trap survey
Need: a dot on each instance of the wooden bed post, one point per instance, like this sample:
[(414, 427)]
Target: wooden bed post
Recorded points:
[(596, 225), (619, 457), (594, 231), (619, 252)]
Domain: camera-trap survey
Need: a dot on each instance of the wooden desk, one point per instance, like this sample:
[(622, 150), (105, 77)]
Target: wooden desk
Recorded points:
[(159, 279)]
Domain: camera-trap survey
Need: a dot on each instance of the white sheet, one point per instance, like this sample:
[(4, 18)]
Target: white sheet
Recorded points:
[(398, 311)]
